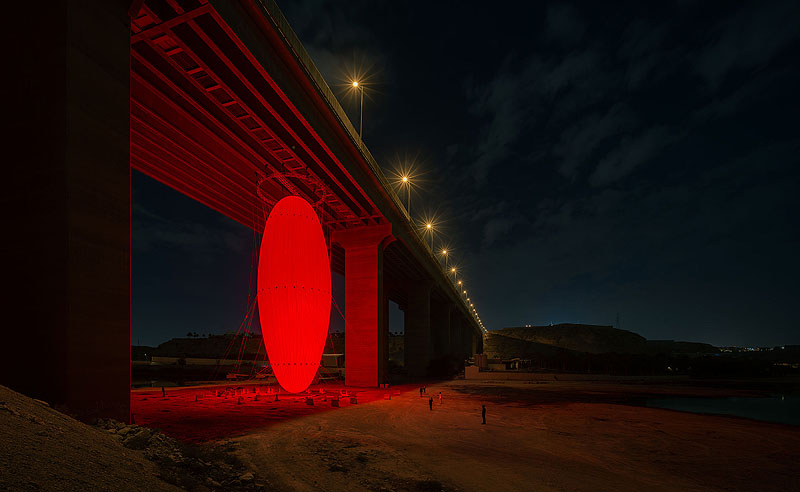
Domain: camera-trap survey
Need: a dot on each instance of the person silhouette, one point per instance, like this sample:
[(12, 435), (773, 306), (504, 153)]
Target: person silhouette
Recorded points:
[(483, 413), (430, 403)]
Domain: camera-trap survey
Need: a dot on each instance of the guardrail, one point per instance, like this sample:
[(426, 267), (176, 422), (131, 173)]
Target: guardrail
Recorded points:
[(272, 10)]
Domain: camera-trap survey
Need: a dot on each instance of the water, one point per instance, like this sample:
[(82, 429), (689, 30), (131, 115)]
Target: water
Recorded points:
[(780, 409)]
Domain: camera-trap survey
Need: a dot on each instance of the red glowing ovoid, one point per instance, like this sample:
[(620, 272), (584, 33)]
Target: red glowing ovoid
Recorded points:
[(294, 292)]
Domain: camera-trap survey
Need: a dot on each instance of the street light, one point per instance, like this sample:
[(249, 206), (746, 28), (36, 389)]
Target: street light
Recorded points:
[(429, 228), (359, 87), (407, 183)]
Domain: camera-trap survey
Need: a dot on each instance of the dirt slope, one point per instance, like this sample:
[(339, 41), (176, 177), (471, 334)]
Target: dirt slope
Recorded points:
[(42, 449)]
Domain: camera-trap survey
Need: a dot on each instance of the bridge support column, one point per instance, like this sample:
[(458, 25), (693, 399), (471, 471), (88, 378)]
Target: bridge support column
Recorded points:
[(365, 305), (67, 207), (417, 352), (464, 338), (452, 333), (440, 329)]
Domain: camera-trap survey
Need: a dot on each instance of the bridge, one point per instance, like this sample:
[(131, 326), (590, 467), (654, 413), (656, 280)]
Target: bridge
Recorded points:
[(220, 101)]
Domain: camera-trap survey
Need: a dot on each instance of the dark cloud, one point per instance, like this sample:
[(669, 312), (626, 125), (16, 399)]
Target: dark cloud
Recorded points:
[(580, 140), (564, 24), (632, 151), (205, 240), (748, 38)]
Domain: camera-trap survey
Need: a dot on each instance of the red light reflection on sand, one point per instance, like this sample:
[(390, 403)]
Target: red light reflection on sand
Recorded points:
[(206, 413)]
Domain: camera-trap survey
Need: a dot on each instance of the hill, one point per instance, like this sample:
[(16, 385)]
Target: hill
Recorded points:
[(594, 339), (497, 346)]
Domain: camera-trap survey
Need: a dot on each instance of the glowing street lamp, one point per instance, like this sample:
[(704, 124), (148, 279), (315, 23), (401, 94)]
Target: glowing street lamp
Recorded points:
[(359, 87), (429, 229), (405, 180)]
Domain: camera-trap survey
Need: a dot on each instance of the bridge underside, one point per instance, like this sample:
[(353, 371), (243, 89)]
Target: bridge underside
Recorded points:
[(224, 115)]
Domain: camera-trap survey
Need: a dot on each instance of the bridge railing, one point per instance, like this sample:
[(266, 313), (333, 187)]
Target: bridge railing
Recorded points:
[(272, 10)]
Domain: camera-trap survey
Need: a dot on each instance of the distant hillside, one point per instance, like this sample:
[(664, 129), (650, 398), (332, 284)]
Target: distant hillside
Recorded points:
[(673, 347), (215, 347), (595, 339), (498, 346)]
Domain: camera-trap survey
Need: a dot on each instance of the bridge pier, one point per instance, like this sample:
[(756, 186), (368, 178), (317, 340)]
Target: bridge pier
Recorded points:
[(440, 329), (465, 339), (365, 304), (417, 339), (66, 319)]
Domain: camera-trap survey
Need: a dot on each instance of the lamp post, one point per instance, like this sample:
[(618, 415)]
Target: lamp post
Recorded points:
[(444, 253), (407, 184), (429, 228), (359, 87)]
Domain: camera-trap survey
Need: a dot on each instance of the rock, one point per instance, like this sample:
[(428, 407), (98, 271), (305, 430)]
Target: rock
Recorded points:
[(124, 431), (246, 477), (138, 440)]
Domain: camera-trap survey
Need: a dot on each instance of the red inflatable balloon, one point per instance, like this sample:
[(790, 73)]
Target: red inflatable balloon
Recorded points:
[(294, 292)]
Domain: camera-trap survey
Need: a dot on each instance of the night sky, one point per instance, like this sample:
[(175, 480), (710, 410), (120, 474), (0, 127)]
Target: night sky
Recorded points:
[(583, 163)]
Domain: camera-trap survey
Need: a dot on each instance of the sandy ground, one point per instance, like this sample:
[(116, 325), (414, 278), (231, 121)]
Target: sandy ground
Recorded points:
[(573, 436), (42, 449), (540, 436)]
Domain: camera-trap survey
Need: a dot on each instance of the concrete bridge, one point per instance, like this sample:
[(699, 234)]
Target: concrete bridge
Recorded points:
[(220, 101)]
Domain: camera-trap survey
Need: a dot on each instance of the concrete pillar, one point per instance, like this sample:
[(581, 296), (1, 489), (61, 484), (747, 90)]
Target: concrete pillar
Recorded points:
[(417, 341), (464, 340), (66, 315), (454, 332), (440, 329), (365, 305), (383, 338)]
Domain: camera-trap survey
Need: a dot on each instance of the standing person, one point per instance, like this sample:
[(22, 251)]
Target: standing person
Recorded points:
[(483, 414), (420, 391), (430, 403), (163, 393)]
